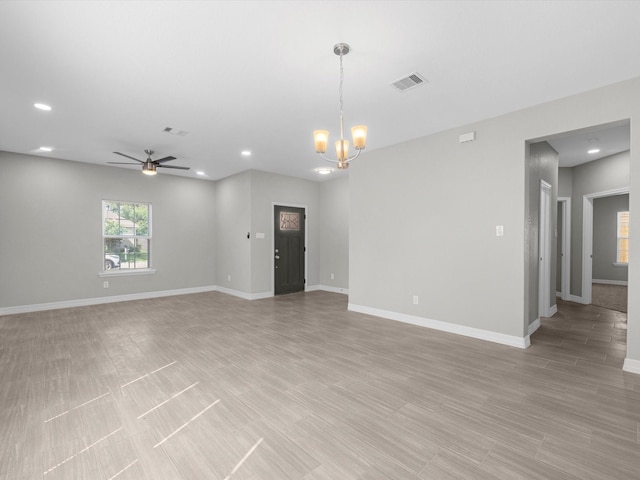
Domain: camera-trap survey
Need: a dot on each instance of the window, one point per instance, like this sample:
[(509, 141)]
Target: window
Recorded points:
[(290, 221), (623, 238), (126, 235)]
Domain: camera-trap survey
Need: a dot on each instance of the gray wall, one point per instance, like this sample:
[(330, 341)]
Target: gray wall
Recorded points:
[(605, 241), (334, 233), (565, 182), (602, 175), (232, 223), (542, 165), (51, 243), (423, 220), (424, 212)]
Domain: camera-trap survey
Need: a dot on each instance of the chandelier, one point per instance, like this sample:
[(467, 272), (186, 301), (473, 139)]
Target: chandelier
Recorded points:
[(358, 133)]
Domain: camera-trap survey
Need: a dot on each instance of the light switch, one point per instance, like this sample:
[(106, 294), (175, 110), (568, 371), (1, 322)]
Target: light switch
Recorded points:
[(499, 230)]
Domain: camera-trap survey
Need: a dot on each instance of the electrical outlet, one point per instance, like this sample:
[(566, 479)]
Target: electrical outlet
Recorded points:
[(333, 277), (499, 230), (415, 299), (105, 284), (228, 278)]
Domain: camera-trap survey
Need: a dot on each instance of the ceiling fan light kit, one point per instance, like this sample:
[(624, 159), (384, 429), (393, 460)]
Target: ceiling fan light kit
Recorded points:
[(358, 133), (149, 167)]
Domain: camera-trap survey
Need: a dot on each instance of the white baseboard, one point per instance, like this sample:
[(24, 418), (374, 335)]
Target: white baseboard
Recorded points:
[(533, 326), (610, 282), (245, 295), (553, 310), (631, 365), (510, 340), (576, 299), (84, 302), (327, 288)]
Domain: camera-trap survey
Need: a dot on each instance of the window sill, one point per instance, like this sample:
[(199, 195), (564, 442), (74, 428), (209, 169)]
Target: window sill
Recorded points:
[(127, 273), (623, 265)]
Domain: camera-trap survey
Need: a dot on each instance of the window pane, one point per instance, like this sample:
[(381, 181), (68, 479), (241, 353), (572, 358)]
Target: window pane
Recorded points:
[(623, 224), (289, 221), (623, 230), (130, 252), (623, 238), (135, 253), (623, 250)]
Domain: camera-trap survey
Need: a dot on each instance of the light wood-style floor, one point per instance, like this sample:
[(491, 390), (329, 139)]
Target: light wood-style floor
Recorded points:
[(209, 386)]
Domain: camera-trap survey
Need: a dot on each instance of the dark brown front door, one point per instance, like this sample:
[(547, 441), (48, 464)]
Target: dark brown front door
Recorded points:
[(289, 249)]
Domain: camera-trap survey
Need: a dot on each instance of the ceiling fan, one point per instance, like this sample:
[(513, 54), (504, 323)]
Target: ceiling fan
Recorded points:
[(149, 166)]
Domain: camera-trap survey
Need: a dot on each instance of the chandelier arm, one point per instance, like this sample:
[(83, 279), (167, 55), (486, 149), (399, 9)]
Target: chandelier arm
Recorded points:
[(352, 157), (327, 158)]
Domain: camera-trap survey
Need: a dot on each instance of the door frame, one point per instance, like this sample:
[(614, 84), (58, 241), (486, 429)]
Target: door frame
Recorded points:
[(273, 241), (587, 238), (565, 262), (544, 251)]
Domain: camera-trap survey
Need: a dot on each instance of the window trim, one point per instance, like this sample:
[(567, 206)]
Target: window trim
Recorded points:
[(127, 272)]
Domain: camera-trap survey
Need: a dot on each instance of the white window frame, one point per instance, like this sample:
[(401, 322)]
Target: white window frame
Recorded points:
[(620, 223), (126, 272)]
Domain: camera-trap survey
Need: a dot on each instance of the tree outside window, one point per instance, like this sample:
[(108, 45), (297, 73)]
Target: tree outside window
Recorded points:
[(126, 231)]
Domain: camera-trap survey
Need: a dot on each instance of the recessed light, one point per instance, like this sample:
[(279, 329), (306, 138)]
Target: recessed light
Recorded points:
[(42, 106), (46, 149), (245, 153), (200, 172), (323, 170), (593, 150)]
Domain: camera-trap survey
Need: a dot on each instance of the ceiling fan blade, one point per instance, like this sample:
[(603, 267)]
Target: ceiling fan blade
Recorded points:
[(122, 154), (122, 163), (173, 166), (165, 159)]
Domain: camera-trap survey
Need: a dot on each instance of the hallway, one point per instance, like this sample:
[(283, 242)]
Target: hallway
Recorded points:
[(583, 333)]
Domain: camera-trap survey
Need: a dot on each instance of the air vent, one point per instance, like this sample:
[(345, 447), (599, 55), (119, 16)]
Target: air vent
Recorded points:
[(174, 131), (410, 81)]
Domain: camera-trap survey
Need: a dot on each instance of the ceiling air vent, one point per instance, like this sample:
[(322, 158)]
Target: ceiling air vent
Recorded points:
[(410, 81), (174, 131)]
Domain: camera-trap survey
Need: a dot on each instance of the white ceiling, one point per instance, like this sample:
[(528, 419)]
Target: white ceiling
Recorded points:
[(262, 75), (601, 140)]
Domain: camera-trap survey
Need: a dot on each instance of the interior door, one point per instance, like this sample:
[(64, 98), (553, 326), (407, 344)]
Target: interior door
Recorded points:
[(544, 249), (289, 249)]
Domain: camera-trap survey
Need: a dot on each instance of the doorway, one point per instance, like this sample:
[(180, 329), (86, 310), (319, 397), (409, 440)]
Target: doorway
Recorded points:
[(563, 279), (587, 239), (289, 226)]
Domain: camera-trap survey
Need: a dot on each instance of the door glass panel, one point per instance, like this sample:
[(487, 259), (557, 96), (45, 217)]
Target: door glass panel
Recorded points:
[(289, 221)]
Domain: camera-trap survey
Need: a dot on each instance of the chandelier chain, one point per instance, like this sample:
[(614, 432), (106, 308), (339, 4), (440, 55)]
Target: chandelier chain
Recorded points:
[(341, 101)]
